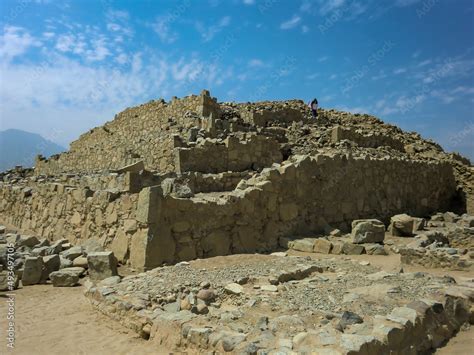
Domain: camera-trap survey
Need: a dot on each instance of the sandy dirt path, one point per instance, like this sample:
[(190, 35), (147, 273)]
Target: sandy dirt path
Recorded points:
[(61, 321)]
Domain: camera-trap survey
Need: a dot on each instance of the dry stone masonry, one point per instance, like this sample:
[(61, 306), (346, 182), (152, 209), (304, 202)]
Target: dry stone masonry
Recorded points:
[(166, 183)]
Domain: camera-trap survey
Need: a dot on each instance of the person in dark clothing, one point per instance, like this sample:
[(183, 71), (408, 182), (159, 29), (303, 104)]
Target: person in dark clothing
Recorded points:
[(313, 105)]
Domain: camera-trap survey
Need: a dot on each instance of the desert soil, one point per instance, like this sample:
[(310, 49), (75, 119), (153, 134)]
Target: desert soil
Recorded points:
[(61, 321)]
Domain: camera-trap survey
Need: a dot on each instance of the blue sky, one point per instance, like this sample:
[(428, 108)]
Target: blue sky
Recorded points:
[(67, 66)]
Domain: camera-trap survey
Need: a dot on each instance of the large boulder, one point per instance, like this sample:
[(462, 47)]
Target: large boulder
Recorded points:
[(72, 253), (27, 241), (352, 249), (32, 271), (403, 225), (305, 244), (64, 278), (322, 246), (102, 265), (8, 282), (51, 264), (367, 231)]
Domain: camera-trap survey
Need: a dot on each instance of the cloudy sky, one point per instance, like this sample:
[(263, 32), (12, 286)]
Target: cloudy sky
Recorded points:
[(67, 66)]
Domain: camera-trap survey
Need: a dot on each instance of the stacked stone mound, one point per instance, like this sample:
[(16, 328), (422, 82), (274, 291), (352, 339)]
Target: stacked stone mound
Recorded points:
[(31, 261), (171, 181)]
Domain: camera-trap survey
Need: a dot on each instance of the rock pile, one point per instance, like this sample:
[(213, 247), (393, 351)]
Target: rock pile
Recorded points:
[(31, 261), (253, 306)]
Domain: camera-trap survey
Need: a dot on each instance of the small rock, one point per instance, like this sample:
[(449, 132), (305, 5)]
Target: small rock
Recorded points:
[(234, 288), (349, 318), (206, 295), (111, 281), (269, 288), (72, 253), (80, 261)]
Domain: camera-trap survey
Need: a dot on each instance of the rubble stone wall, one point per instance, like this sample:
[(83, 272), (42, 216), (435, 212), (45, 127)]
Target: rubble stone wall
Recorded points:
[(229, 155), (372, 140), (437, 258), (296, 198), (55, 210), (263, 117), (138, 133)]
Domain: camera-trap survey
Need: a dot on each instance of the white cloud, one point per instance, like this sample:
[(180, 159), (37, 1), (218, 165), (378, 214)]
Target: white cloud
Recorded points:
[(399, 71), (48, 34), (15, 41), (208, 33), (65, 43), (99, 50), (327, 6), (463, 90), (304, 29), (291, 23), (114, 15), (162, 27), (425, 63), (255, 63), (379, 76), (326, 98), (72, 96), (404, 3), (323, 59)]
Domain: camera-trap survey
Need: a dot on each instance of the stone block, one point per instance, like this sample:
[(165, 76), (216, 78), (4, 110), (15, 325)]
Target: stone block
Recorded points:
[(306, 244), (322, 246), (216, 243), (403, 225), (288, 212), (134, 167), (32, 271), (152, 247), (120, 246), (72, 253), (102, 265), (368, 231), (149, 204), (352, 249), (8, 281), (63, 278), (51, 263), (27, 241)]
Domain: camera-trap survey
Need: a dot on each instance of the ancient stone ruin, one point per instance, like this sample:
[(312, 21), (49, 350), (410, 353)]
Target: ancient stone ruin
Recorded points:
[(166, 183)]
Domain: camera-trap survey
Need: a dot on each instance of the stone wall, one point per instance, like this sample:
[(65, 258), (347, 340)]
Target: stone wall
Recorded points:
[(232, 154), (297, 198), (262, 117), (138, 133), (370, 140), (56, 210)]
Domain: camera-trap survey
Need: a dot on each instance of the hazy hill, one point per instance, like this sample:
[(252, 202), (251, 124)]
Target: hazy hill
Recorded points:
[(18, 147)]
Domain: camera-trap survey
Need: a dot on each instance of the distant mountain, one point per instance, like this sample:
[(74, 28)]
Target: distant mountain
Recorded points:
[(18, 147)]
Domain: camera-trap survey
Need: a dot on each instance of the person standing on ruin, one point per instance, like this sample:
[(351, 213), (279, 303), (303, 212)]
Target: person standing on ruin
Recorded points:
[(313, 105)]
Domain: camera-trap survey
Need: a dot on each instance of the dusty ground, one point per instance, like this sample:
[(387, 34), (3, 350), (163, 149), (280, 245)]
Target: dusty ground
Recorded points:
[(61, 321)]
